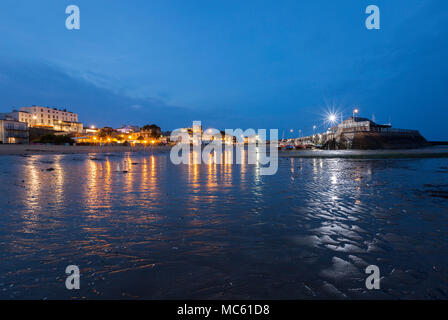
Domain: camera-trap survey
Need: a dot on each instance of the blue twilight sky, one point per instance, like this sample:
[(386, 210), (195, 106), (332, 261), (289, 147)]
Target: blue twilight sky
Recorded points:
[(231, 64)]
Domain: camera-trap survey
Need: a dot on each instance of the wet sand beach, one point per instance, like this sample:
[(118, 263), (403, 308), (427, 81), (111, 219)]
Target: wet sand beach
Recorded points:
[(28, 149), (140, 227), (434, 152)]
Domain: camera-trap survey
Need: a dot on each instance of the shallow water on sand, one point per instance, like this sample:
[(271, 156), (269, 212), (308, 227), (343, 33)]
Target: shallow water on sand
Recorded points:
[(222, 231)]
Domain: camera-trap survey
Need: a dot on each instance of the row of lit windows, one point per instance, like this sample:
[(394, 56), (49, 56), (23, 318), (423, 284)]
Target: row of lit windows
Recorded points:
[(65, 113), (68, 116), (29, 118)]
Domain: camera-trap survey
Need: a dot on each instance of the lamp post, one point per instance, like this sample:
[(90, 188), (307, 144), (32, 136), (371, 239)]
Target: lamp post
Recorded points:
[(355, 111)]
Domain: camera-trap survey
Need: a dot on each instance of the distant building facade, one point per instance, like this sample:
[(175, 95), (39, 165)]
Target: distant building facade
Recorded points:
[(150, 132), (128, 129), (13, 131), (51, 118), (362, 124)]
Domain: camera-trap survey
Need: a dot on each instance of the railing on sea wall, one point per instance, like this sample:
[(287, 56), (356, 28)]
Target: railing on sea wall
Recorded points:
[(404, 131), (382, 131)]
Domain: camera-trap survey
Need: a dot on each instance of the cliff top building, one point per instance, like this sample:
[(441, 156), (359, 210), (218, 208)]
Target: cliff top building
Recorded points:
[(49, 118)]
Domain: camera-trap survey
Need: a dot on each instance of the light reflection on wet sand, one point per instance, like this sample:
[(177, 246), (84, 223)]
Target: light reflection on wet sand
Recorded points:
[(140, 227)]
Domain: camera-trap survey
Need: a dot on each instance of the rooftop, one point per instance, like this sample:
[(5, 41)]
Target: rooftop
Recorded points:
[(53, 108), (361, 119)]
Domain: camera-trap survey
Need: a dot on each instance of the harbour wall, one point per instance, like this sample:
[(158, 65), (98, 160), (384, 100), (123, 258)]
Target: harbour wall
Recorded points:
[(381, 140)]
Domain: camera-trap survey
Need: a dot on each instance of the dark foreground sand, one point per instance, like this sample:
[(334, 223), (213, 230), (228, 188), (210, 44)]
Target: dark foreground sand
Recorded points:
[(18, 149)]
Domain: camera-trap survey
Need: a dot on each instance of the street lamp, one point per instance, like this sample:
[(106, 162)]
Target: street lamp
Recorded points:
[(355, 111)]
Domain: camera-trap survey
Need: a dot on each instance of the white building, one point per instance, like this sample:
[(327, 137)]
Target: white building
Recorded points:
[(13, 131), (52, 118), (128, 129)]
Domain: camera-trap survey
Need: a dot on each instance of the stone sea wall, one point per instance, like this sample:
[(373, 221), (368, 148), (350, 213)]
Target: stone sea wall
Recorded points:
[(383, 140)]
